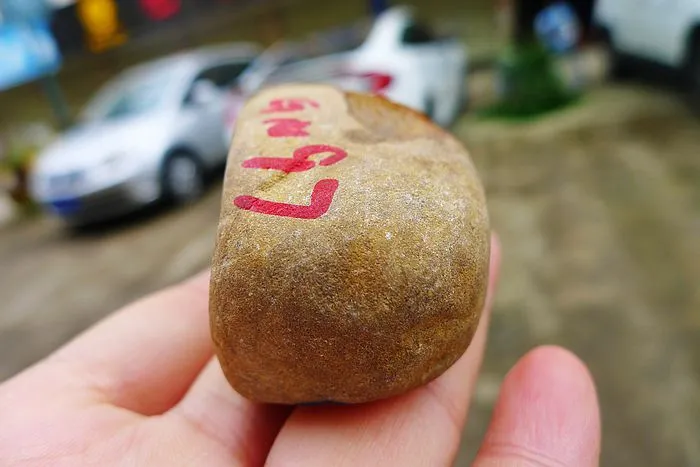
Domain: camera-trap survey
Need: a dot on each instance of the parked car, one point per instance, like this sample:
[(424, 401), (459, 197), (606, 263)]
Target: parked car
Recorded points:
[(153, 132), (666, 32), (399, 58)]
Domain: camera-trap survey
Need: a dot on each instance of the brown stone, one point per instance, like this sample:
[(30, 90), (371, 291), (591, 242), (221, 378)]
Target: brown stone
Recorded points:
[(378, 288)]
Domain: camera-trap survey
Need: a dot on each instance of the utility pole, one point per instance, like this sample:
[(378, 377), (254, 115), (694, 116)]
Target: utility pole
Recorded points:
[(56, 99)]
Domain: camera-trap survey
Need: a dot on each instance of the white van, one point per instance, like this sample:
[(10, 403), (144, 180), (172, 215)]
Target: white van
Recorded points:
[(666, 32)]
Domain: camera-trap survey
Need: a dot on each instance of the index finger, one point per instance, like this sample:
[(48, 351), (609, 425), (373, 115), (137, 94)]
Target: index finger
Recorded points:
[(422, 427), (144, 357)]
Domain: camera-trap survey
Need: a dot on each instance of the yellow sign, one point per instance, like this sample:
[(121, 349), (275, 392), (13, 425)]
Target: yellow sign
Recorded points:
[(100, 18)]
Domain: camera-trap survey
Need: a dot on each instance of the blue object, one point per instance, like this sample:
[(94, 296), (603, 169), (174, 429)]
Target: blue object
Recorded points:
[(65, 206), (557, 27), (21, 11), (28, 52)]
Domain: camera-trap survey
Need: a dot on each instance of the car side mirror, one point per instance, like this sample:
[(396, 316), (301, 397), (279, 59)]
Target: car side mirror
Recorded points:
[(204, 93)]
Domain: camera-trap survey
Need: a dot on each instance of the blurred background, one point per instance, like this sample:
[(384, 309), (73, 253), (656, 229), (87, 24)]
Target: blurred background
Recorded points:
[(582, 117)]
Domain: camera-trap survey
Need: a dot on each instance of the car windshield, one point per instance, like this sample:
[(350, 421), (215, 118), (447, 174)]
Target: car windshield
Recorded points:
[(279, 57), (129, 96)]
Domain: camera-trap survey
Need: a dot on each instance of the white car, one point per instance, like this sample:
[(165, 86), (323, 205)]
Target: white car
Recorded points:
[(153, 132), (399, 58), (666, 32)]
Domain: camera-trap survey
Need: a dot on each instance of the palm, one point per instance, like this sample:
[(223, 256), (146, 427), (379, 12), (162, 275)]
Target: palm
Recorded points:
[(107, 435)]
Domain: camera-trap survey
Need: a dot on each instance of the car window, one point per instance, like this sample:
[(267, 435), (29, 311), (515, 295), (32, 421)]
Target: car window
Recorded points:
[(128, 96), (223, 77), (417, 34)]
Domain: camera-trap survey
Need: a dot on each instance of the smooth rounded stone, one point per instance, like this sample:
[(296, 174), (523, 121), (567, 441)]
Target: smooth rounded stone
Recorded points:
[(352, 253)]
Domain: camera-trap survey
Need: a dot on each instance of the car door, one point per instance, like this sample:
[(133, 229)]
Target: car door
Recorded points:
[(627, 29), (201, 121), (204, 109), (650, 28), (436, 64), (665, 24)]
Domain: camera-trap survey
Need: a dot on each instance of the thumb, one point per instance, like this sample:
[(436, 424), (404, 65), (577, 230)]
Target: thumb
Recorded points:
[(547, 415)]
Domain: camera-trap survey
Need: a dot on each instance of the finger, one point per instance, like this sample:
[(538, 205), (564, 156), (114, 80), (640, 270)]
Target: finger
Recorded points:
[(245, 429), (420, 428), (144, 357), (547, 415)]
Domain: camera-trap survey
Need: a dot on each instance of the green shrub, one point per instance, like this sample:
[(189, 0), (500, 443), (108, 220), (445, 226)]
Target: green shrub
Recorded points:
[(531, 84)]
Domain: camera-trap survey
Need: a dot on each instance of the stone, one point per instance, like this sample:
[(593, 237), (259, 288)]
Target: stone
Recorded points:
[(352, 253)]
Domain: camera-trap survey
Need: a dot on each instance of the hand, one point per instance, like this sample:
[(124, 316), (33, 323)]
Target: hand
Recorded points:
[(142, 388)]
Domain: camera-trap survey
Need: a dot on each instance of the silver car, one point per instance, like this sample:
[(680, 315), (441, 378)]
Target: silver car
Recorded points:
[(151, 133)]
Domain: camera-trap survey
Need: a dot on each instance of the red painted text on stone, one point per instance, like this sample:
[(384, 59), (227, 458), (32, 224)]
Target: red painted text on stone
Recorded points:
[(289, 105), (287, 127), (299, 162), (321, 199)]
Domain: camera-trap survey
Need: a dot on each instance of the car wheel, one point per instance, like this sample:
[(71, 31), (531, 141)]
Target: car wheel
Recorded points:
[(463, 106), (183, 178), (430, 109), (619, 66), (693, 71)]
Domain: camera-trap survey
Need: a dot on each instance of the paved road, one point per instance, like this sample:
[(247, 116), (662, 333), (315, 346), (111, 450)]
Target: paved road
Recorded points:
[(599, 212), (597, 208), (56, 283)]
